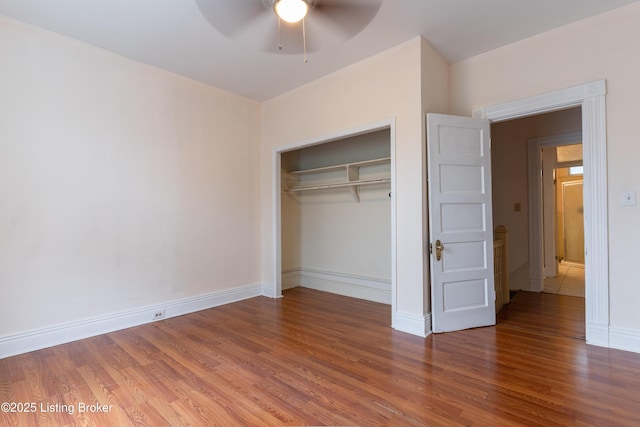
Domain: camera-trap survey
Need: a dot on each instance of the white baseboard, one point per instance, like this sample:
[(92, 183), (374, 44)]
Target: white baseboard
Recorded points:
[(412, 324), (368, 288), (371, 289), (46, 337), (269, 290), (597, 334), (290, 278), (624, 339)]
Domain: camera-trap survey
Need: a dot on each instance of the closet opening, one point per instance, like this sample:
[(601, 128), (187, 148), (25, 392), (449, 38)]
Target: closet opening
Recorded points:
[(336, 215)]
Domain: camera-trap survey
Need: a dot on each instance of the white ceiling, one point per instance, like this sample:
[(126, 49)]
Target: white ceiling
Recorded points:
[(173, 35)]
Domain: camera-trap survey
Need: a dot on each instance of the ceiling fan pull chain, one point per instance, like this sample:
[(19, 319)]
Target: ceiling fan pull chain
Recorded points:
[(304, 41), (279, 42)]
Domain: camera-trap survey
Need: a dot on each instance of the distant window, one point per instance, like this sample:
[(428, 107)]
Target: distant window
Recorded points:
[(576, 170)]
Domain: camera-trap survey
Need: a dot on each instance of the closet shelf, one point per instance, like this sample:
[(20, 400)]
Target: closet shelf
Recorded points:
[(338, 185), (352, 171), (346, 166)]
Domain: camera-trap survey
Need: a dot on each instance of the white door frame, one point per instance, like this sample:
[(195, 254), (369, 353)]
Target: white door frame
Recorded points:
[(591, 98), (276, 277), (548, 213), (536, 240)]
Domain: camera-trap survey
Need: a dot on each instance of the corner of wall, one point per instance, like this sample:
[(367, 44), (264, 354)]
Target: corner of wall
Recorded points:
[(435, 83)]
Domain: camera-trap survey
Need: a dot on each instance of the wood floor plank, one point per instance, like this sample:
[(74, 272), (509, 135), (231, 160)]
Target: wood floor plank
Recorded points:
[(314, 358)]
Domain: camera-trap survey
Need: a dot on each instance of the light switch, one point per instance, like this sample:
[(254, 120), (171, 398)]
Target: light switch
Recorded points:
[(628, 198)]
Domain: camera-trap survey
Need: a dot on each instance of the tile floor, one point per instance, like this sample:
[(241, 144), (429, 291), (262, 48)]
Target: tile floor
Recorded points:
[(569, 281)]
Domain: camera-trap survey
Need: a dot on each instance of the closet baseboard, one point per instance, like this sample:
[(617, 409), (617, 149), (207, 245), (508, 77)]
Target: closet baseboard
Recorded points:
[(363, 287), (290, 278)]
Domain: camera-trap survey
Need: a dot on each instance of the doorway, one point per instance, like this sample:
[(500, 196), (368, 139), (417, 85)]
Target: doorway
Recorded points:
[(555, 170), (568, 217), (523, 190), (590, 97), (548, 144), (571, 221)]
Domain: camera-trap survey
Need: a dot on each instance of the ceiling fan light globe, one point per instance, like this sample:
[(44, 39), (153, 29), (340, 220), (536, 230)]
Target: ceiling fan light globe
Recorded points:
[(291, 10)]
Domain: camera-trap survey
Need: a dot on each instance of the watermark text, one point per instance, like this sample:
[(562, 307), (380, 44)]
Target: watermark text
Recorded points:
[(48, 407)]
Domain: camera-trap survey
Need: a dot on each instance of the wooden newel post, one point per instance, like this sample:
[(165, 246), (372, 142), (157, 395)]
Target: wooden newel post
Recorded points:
[(501, 233)]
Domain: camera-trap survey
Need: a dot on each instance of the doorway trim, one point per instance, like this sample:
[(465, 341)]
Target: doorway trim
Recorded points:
[(536, 205), (276, 278), (591, 98)]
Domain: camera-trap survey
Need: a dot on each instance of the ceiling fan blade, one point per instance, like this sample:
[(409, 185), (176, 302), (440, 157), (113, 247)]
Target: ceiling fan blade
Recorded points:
[(231, 17), (345, 17)]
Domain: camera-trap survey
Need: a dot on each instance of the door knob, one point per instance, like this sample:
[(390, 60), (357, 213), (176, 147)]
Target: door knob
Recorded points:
[(439, 249)]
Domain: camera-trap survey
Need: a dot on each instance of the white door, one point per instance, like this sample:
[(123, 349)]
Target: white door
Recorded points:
[(573, 207), (460, 222)]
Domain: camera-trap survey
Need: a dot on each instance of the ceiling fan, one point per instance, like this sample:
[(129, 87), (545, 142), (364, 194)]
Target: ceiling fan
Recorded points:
[(290, 26)]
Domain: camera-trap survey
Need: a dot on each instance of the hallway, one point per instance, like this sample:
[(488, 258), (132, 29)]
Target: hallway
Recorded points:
[(569, 281)]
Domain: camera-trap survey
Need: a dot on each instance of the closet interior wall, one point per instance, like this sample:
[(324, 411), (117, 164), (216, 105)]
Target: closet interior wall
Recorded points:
[(336, 217)]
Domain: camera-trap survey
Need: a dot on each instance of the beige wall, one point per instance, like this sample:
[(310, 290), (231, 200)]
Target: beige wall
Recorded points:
[(122, 186), (383, 87), (435, 99), (601, 47)]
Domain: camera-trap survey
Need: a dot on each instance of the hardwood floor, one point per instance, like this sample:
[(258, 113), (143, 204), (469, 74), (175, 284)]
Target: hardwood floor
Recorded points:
[(313, 358), (546, 314)]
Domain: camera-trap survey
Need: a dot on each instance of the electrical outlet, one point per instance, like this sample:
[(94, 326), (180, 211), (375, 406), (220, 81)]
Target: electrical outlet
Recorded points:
[(158, 315)]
